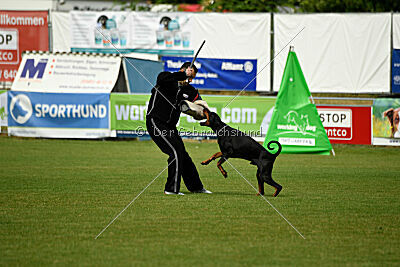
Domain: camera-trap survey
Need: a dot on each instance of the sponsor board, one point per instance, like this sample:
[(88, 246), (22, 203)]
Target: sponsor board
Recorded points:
[(337, 122), (343, 124), (220, 74), (246, 113), (396, 71), (67, 73), (347, 124), (386, 117), (58, 115), (249, 114), (20, 31)]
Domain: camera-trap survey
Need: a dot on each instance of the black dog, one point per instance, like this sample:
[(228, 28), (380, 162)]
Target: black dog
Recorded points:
[(235, 144)]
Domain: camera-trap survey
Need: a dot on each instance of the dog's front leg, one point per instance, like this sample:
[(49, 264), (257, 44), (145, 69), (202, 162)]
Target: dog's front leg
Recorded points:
[(219, 165), (215, 156)]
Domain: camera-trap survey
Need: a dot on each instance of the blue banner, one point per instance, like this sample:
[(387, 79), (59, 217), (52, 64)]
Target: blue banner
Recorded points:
[(396, 71), (221, 74), (58, 110)]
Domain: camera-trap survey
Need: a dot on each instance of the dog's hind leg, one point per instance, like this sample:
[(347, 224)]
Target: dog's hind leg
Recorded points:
[(271, 182), (219, 165), (215, 156), (260, 180), (267, 177), (260, 183)]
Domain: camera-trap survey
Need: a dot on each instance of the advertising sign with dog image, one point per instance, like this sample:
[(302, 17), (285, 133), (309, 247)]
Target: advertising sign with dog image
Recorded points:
[(295, 122), (58, 115), (386, 128)]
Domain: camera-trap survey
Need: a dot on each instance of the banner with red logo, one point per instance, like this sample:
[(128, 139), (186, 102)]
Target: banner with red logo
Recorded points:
[(67, 73), (347, 124), (20, 31)]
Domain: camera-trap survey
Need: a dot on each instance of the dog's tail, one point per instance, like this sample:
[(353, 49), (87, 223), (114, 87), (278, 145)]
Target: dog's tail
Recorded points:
[(270, 148)]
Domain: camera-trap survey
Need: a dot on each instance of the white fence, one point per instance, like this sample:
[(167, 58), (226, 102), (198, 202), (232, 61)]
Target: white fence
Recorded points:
[(339, 53)]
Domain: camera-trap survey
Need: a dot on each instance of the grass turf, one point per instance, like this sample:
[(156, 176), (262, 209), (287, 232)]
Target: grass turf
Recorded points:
[(57, 195)]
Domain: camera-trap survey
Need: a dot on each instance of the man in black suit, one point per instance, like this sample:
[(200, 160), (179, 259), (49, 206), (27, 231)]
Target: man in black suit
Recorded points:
[(163, 113)]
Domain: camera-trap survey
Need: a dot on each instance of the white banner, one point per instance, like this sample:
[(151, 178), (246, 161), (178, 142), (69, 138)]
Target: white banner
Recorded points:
[(396, 31), (61, 34), (339, 53), (67, 73)]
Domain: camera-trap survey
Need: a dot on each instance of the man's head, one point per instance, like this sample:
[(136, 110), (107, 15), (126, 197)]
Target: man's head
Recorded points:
[(191, 71)]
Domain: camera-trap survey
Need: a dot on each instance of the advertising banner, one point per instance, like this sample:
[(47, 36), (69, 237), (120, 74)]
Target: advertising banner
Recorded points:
[(343, 124), (20, 31), (295, 122), (113, 32), (347, 124), (246, 113), (220, 74), (396, 71), (3, 108), (386, 121), (67, 73), (58, 115)]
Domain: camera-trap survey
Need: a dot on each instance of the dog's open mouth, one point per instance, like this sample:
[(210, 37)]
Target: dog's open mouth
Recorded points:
[(192, 109)]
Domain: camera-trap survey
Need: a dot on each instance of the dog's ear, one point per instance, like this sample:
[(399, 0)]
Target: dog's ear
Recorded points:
[(389, 114), (206, 113)]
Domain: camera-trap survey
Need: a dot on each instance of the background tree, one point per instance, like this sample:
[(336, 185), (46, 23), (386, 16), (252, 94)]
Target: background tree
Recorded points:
[(244, 5), (309, 6), (347, 5)]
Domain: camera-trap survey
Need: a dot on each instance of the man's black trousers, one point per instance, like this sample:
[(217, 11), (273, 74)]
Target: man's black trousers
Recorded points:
[(179, 161)]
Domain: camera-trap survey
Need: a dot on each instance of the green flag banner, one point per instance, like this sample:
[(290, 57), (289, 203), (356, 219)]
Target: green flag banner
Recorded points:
[(246, 113), (295, 122)]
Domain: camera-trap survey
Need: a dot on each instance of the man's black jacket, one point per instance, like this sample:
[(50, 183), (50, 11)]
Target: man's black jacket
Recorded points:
[(167, 87)]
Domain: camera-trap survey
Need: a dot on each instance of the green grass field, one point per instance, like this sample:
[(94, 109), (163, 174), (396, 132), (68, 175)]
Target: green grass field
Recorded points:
[(57, 195)]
